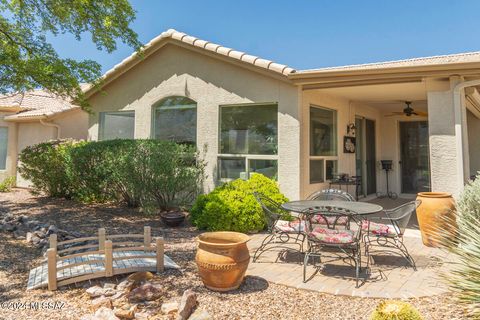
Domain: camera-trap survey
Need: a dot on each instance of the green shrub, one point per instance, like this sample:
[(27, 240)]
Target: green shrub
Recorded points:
[(7, 184), (151, 173), (395, 310), (233, 207), (48, 167), (464, 276)]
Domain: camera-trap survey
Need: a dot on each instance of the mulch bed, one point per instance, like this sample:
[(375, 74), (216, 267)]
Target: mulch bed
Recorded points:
[(256, 298)]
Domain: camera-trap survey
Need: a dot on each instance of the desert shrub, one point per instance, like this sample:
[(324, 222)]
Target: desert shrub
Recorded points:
[(101, 173), (233, 207), (48, 167), (395, 310), (165, 173), (7, 184), (464, 276)]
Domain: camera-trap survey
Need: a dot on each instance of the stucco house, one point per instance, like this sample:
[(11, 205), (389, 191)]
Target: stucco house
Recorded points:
[(33, 117), (255, 115)]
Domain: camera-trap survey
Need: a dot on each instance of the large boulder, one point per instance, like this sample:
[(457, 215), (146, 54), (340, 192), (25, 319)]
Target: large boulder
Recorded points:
[(187, 304), (145, 292)]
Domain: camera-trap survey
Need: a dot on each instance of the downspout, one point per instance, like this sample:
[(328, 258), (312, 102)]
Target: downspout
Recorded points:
[(50, 124), (457, 105)]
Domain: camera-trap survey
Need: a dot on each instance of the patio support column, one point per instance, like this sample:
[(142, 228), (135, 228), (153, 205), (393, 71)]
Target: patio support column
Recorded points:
[(447, 125)]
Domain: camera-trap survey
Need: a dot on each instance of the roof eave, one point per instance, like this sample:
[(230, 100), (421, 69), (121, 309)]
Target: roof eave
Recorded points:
[(309, 76)]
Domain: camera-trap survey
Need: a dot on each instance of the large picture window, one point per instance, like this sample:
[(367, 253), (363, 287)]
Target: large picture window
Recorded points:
[(175, 119), (117, 125), (323, 144), (3, 147), (248, 140)]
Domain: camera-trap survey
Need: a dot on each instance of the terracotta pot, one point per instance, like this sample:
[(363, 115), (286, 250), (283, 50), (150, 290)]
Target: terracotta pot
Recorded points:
[(222, 259), (436, 217)]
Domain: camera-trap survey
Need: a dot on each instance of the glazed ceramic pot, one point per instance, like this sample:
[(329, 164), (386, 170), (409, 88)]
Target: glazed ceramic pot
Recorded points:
[(172, 218), (436, 217), (222, 259)]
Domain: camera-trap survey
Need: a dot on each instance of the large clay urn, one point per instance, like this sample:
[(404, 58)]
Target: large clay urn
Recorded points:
[(222, 259), (436, 217)]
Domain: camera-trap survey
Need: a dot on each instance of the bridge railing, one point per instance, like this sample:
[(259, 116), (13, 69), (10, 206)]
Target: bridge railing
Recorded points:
[(101, 252)]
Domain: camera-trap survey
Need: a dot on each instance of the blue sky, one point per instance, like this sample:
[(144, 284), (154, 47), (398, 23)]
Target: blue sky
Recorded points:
[(305, 34)]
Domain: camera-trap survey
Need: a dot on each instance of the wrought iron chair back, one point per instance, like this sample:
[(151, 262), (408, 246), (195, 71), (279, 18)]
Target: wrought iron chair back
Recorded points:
[(271, 210), (399, 216), (333, 217), (331, 194)]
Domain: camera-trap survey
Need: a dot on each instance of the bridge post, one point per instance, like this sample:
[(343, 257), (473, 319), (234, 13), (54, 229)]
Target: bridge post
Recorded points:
[(53, 241), (108, 258), (147, 237), (160, 251), (52, 268), (101, 239)]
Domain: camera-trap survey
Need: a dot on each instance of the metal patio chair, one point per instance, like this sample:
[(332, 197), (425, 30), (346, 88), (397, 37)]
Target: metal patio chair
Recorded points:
[(385, 233), (330, 195), (332, 243), (280, 232)]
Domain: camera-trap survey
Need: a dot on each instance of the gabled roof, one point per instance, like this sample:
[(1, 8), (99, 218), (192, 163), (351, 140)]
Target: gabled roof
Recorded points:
[(36, 104), (184, 38)]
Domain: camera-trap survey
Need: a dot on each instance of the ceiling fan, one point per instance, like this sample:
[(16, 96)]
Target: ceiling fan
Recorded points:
[(408, 111)]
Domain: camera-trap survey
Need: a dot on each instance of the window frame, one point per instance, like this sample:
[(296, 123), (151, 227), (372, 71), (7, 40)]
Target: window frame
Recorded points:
[(324, 158), (246, 157), (157, 105), (6, 148), (101, 128)]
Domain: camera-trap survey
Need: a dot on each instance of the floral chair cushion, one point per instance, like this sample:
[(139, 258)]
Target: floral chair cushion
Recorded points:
[(380, 229), (333, 236), (319, 219), (291, 226)]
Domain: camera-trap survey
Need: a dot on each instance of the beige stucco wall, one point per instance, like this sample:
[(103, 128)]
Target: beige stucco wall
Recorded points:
[(11, 147), (210, 82), (473, 124)]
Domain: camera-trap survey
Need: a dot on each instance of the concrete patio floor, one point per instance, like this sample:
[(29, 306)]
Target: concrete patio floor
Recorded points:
[(390, 277)]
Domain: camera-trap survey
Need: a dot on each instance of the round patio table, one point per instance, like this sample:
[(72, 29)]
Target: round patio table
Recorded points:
[(357, 208)]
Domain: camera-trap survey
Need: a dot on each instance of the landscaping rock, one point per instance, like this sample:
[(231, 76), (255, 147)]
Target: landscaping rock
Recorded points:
[(200, 314), (187, 304), (125, 285), (109, 286), (145, 292), (126, 312), (9, 227), (169, 307), (144, 315), (138, 277), (105, 314), (97, 291), (52, 229), (100, 302)]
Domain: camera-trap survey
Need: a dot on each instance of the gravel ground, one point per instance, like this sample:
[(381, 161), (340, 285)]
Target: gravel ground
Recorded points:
[(256, 298)]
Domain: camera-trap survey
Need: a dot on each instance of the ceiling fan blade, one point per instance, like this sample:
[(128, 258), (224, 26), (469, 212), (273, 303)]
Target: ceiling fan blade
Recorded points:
[(421, 113), (394, 114)]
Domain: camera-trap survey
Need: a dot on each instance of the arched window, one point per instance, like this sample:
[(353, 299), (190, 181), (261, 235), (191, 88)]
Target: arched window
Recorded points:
[(175, 119)]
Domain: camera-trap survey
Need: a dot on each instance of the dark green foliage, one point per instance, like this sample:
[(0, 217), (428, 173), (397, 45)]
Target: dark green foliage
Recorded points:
[(48, 166), (29, 61), (233, 207), (150, 173)]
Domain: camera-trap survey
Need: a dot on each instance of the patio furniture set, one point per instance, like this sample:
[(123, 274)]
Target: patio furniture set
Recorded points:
[(334, 226)]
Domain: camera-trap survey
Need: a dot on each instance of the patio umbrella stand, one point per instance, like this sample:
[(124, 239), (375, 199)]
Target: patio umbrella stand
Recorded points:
[(387, 166)]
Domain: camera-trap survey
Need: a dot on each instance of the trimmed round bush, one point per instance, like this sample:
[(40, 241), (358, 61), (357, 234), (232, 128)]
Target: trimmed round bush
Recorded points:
[(395, 310), (233, 207)]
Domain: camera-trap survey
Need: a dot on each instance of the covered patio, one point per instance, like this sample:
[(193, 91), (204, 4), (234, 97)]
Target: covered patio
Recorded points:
[(390, 275)]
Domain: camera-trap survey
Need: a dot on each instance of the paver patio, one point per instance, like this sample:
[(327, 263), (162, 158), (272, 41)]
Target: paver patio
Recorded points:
[(390, 277)]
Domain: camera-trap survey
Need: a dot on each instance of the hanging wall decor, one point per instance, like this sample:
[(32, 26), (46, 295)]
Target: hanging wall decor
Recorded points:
[(348, 144), (351, 130)]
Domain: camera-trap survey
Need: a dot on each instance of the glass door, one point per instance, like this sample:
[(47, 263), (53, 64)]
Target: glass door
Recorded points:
[(360, 154), (365, 155), (414, 155)]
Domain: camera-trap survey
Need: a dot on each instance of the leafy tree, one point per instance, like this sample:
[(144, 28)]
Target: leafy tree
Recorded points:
[(28, 61)]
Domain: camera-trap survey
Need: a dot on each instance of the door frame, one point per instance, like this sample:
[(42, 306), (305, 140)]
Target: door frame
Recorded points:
[(364, 153), (399, 152)]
